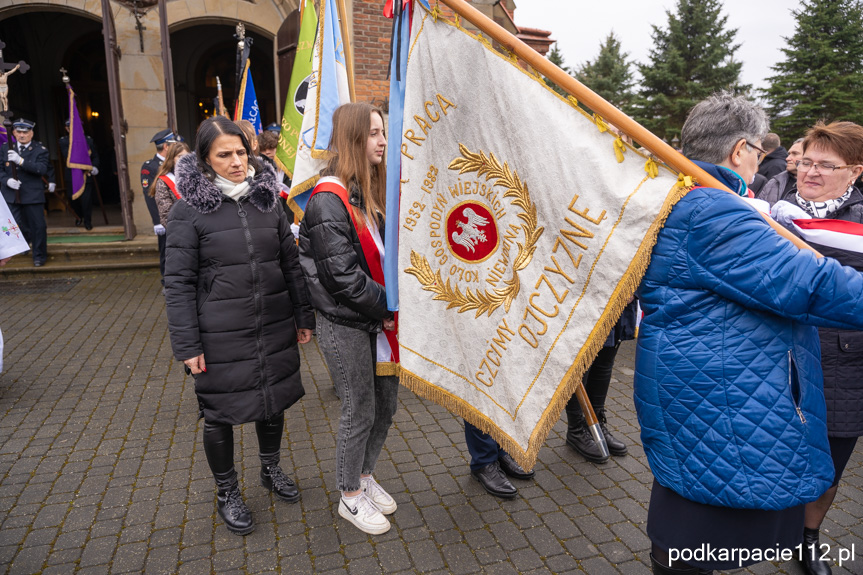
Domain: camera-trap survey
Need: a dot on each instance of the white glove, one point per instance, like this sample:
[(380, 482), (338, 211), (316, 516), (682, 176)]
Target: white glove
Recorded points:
[(295, 229), (783, 212), (94, 171), (13, 156), (13, 183), (51, 187), (159, 229)]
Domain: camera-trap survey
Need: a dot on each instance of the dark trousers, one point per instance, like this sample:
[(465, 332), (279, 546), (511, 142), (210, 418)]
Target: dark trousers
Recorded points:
[(219, 447), (596, 380), (31, 220), (482, 448), (83, 206), (161, 240)]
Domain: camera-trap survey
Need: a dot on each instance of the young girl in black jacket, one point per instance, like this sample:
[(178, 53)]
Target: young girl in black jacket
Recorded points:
[(341, 252)]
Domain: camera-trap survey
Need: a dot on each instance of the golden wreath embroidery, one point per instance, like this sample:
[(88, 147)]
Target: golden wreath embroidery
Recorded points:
[(485, 302)]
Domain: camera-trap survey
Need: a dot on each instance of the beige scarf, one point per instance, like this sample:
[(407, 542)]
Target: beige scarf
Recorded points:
[(232, 190)]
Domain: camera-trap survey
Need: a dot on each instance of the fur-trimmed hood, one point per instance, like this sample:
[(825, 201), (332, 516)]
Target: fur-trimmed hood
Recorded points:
[(205, 197)]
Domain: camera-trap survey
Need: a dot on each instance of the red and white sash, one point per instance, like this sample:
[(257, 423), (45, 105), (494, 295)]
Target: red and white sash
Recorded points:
[(171, 181), (837, 234), (388, 345)]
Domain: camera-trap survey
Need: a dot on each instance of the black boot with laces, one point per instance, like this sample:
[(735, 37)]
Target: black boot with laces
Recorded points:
[(615, 446), (274, 479), (234, 512)]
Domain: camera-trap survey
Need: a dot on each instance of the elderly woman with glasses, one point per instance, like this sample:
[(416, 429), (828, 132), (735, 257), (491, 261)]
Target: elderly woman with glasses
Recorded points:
[(832, 160), (728, 383)]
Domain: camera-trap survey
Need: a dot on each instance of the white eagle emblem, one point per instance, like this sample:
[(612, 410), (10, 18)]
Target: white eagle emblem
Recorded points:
[(471, 234)]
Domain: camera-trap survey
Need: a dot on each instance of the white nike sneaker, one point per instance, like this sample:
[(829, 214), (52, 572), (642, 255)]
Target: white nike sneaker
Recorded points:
[(364, 514), (379, 497)]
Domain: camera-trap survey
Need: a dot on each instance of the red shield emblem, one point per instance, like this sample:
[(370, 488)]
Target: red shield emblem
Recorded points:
[(471, 232)]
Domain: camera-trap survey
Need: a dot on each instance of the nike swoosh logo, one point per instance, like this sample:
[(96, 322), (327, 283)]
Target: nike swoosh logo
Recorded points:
[(353, 511)]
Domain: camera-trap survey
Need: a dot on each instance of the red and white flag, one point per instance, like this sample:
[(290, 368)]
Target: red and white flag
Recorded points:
[(837, 234)]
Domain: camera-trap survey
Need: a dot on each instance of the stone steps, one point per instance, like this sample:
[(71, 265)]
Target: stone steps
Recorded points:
[(84, 257)]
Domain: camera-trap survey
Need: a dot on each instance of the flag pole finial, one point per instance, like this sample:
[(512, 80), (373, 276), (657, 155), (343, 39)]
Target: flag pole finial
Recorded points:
[(65, 76)]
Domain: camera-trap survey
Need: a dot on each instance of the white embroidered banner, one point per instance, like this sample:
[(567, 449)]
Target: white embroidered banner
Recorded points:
[(522, 236), (11, 237)]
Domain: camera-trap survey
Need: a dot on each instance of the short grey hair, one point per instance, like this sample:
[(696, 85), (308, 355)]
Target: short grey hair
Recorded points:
[(717, 123)]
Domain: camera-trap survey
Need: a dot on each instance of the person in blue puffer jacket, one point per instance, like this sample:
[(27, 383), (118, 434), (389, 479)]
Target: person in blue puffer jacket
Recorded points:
[(728, 383)]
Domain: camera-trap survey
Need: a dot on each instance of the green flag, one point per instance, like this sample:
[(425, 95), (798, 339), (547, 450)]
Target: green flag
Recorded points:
[(292, 119)]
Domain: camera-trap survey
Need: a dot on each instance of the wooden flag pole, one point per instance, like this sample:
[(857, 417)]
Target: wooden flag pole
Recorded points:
[(600, 106)]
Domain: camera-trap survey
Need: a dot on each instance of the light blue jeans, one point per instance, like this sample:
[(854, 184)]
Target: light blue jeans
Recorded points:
[(369, 401)]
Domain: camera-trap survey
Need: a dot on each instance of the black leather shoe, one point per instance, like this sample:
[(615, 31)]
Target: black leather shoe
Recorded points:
[(615, 446), (88, 227), (274, 479), (78, 222), (494, 481), (38, 264), (513, 469), (811, 556), (579, 438), (233, 511)]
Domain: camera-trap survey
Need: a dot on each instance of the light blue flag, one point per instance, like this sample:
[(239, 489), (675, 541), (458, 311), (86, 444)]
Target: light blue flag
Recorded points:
[(398, 78), (247, 106), (328, 89)]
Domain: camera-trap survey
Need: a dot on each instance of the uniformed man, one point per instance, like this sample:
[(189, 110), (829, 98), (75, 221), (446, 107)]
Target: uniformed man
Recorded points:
[(83, 206), (149, 169), (274, 127), (26, 162)]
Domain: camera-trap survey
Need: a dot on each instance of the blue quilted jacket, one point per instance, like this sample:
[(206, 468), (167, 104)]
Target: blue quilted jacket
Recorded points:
[(728, 384)]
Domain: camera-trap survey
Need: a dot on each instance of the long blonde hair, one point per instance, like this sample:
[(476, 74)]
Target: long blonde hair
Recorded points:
[(348, 160)]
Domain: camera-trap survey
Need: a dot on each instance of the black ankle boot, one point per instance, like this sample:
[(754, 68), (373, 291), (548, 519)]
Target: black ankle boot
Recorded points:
[(811, 560), (274, 479), (615, 446), (660, 569), (579, 438), (233, 511)]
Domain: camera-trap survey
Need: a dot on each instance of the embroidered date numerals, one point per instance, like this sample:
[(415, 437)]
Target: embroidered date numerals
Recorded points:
[(416, 208)]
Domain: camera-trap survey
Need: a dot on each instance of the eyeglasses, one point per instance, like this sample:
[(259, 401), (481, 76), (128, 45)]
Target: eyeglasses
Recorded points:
[(759, 151), (806, 165)]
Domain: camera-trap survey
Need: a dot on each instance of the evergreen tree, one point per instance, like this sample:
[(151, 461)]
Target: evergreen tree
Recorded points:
[(610, 74), (556, 58), (822, 75), (690, 60)]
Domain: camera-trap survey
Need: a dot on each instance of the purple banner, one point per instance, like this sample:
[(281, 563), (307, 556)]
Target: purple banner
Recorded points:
[(78, 159)]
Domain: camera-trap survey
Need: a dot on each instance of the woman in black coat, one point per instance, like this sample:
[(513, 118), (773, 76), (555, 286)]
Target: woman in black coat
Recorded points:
[(832, 160), (237, 306)]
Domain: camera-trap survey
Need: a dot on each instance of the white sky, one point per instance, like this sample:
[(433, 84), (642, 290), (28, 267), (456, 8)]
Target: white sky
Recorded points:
[(580, 26)]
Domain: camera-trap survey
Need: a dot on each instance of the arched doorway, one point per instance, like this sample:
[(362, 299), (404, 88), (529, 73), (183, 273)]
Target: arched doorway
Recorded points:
[(76, 44), (202, 52)]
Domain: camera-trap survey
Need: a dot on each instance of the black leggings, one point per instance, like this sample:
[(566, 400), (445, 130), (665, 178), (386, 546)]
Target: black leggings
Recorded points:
[(596, 380), (219, 447)]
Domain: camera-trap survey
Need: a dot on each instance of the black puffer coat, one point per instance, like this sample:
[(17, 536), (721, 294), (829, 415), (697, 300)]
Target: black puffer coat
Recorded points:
[(842, 350), (235, 293), (773, 163), (337, 275)]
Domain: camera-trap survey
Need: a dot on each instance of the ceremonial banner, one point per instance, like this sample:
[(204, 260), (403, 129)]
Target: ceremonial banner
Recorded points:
[(525, 227), (247, 105), (11, 238), (295, 103), (328, 89), (78, 158)]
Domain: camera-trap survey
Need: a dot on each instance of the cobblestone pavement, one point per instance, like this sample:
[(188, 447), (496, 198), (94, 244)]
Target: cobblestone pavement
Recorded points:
[(102, 469)]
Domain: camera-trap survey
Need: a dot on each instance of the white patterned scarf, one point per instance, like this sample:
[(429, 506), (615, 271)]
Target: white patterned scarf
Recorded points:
[(823, 209)]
